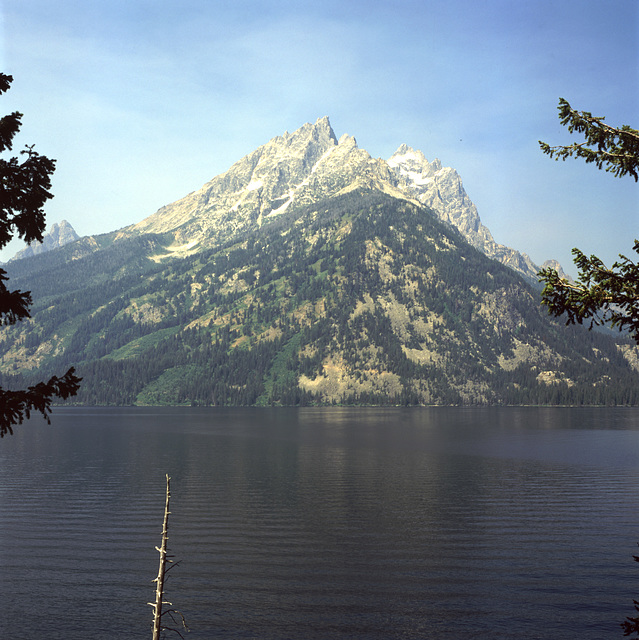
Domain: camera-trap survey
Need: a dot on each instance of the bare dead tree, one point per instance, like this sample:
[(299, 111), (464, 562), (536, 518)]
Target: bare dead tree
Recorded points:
[(165, 559)]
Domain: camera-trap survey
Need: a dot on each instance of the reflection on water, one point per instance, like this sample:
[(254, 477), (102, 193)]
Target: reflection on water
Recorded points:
[(323, 523)]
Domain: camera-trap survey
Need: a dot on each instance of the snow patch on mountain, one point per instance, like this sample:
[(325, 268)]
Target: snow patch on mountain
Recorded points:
[(253, 185)]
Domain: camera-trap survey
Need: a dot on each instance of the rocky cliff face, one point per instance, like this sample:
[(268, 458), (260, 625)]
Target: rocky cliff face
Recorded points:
[(441, 189), (299, 168), (307, 166), (59, 235)]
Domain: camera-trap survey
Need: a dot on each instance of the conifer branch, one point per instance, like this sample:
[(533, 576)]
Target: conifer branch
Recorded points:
[(615, 149)]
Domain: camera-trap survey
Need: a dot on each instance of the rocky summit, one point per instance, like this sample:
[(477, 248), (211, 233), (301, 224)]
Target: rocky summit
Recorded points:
[(308, 273), (309, 165), (59, 235)]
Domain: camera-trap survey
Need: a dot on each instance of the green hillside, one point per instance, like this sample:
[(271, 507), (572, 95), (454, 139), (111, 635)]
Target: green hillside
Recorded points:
[(362, 298)]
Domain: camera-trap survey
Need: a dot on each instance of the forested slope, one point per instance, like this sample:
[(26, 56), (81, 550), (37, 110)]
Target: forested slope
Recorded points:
[(361, 298)]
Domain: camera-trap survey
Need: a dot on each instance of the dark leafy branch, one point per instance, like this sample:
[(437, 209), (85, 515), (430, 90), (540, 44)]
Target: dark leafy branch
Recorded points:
[(630, 625), (614, 149), (15, 406), (601, 295), (24, 189), (14, 305)]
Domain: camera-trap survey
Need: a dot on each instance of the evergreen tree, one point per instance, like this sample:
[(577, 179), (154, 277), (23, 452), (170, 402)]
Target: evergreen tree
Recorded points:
[(601, 294), (630, 625), (612, 148), (24, 188)]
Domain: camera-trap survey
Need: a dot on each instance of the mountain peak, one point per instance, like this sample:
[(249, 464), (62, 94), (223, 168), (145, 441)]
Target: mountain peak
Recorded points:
[(325, 124), (347, 140), (321, 131), (58, 235), (410, 160), (311, 164), (290, 167)]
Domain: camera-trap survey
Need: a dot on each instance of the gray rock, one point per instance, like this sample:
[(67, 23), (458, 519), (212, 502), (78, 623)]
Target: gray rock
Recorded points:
[(307, 166), (59, 235)]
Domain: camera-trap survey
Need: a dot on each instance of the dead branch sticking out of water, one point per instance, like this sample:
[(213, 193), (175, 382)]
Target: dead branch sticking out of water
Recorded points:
[(165, 559)]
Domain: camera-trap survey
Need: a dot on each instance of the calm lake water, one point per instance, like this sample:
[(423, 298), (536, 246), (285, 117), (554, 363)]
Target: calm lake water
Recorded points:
[(323, 523)]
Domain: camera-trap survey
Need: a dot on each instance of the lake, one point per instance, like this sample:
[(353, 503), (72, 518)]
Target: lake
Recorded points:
[(359, 523)]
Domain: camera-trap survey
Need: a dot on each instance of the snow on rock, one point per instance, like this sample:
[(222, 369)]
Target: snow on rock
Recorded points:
[(309, 165)]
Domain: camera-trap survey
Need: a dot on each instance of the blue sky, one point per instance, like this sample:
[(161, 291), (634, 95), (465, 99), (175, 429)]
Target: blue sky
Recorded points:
[(141, 102)]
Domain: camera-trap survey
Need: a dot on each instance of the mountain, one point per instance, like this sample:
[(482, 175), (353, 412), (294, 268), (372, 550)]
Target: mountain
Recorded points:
[(58, 236), (290, 171), (441, 189), (312, 164), (308, 273)]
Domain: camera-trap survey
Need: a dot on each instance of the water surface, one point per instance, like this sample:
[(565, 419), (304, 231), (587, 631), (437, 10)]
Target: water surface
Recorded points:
[(323, 523)]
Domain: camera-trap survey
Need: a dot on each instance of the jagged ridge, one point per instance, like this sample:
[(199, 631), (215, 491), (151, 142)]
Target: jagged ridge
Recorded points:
[(59, 235), (309, 165)]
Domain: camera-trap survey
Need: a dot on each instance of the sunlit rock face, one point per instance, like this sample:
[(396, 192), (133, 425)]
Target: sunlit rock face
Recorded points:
[(308, 166), (441, 189)]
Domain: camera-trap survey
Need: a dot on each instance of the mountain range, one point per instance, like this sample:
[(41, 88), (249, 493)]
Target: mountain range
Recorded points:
[(308, 273)]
